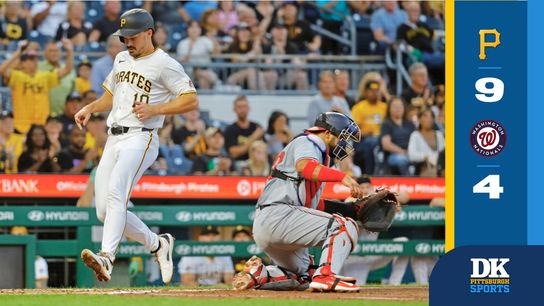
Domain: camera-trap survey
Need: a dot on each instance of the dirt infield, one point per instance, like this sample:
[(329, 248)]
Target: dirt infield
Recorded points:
[(389, 293)]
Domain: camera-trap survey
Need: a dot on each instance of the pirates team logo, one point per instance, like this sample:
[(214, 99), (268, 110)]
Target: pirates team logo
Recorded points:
[(488, 138)]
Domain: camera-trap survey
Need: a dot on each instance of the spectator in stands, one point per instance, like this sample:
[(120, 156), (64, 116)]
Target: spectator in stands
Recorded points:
[(241, 134), (161, 37), (280, 46), (240, 234), (341, 82), (172, 158), (83, 79), (278, 134), (11, 144), (227, 16), (191, 134), (38, 156), (196, 8), (14, 26), (434, 13), (53, 127), (246, 47), (48, 15), (197, 49), (257, 164), (384, 94), (88, 97), (420, 93), (360, 266), (384, 23), (368, 114), (264, 11), (214, 161), (299, 31), (395, 135), (75, 27), (419, 37), (102, 66), (211, 28), (72, 105), (167, 12), (76, 159), (107, 25), (29, 84), (332, 13), (325, 100), (52, 62), (96, 135), (425, 145), (206, 270), (248, 16), (41, 270)]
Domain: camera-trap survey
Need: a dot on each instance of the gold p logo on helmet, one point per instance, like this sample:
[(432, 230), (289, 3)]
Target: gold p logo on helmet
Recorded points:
[(123, 21)]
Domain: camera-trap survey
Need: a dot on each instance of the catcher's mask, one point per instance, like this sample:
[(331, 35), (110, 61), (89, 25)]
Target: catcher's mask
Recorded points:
[(342, 127)]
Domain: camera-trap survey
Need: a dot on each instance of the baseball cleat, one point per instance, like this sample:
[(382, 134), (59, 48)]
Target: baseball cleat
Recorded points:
[(253, 264), (164, 257), (100, 263), (250, 277), (243, 281), (332, 283)]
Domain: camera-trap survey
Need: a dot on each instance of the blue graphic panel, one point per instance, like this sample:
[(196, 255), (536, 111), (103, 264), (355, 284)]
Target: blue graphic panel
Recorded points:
[(488, 275), (535, 222), (490, 123)]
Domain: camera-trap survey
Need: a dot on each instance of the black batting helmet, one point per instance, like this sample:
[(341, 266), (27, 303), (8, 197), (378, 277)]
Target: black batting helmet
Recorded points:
[(340, 126), (134, 21)]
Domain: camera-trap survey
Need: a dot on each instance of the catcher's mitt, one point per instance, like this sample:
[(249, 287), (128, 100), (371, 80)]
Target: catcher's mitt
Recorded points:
[(377, 211)]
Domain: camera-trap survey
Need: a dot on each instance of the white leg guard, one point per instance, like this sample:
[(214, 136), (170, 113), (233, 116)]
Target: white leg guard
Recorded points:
[(341, 238)]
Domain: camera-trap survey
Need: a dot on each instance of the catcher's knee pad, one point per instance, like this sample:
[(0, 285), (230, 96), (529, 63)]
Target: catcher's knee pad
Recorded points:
[(347, 226)]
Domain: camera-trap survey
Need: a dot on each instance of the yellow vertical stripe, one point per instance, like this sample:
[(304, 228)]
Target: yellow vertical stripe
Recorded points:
[(450, 132)]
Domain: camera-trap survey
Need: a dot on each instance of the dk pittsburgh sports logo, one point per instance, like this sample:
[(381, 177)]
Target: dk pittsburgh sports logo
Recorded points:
[(488, 138), (489, 275)]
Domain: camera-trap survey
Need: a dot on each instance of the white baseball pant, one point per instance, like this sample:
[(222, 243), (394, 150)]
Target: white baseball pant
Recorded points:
[(125, 159)]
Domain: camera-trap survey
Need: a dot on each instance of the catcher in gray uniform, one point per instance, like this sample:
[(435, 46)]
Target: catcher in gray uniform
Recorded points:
[(290, 216)]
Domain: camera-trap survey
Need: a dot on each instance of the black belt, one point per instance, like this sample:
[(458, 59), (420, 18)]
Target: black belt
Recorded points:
[(118, 130)]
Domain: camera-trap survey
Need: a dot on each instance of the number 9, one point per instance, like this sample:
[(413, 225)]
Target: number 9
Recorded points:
[(496, 92)]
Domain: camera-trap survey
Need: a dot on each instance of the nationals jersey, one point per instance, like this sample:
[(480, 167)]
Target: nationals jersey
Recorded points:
[(303, 193), (155, 78)]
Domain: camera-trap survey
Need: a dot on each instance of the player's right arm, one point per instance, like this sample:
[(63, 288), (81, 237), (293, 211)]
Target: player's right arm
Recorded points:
[(102, 104), (310, 169)]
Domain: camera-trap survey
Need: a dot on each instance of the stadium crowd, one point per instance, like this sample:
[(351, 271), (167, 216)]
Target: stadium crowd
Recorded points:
[(402, 134)]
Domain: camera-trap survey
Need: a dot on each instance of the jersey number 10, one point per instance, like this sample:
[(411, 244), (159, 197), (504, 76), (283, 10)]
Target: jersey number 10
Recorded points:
[(143, 98)]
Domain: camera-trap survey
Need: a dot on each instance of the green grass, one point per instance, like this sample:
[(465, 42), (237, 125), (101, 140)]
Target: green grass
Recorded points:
[(102, 300)]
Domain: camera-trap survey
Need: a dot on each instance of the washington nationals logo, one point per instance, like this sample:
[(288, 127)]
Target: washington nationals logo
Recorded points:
[(488, 138)]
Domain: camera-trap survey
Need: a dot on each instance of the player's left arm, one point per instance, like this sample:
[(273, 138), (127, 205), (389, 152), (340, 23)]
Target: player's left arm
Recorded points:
[(176, 80), (181, 104), (69, 47)]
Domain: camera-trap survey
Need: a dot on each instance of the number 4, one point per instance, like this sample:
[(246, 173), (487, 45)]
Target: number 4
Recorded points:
[(491, 185)]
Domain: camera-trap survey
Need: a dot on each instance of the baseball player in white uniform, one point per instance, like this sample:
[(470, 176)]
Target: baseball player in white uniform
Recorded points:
[(145, 84)]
